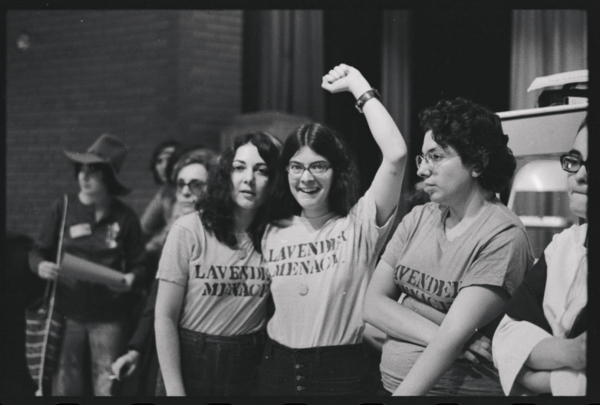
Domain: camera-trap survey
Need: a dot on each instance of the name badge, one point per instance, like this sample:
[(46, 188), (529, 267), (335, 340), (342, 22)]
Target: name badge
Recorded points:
[(79, 230)]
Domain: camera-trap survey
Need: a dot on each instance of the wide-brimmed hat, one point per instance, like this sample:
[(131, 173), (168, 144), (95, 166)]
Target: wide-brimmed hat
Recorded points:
[(107, 149)]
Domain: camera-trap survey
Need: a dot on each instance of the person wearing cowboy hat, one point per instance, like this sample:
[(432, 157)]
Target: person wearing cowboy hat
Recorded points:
[(102, 229)]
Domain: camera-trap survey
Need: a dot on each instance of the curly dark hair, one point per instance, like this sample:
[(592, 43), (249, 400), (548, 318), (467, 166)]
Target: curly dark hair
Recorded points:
[(216, 206), (326, 142), (476, 134), (156, 153)]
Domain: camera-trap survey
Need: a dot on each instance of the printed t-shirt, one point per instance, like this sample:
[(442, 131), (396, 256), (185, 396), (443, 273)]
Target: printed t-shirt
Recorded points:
[(493, 251), (226, 289), (320, 269)]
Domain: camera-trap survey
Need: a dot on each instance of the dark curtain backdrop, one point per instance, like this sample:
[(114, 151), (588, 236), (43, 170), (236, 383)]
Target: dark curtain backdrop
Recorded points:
[(413, 57), (456, 53), (558, 39), (283, 62)]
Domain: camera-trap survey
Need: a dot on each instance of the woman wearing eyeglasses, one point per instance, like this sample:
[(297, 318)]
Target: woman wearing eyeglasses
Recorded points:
[(456, 260), (321, 249), (213, 287), (540, 345), (189, 174)]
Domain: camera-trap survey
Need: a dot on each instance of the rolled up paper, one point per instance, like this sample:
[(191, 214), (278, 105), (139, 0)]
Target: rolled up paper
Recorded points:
[(85, 270)]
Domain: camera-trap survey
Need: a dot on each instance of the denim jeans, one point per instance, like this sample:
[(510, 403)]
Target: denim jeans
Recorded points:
[(322, 371), (219, 365), (87, 351)]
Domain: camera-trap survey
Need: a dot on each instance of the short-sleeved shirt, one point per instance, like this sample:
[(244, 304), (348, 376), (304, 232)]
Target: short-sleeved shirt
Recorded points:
[(493, 251), (226, 290), (320, 269), (115, 241)]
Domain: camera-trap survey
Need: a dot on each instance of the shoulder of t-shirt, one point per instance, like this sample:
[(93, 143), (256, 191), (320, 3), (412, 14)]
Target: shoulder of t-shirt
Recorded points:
[(427, 209), (189, 222), (501, 216), (575, 234), (281, 223)]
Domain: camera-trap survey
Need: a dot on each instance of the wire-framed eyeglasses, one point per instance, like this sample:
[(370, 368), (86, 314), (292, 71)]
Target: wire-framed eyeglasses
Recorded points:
[(572, 163), (433, 159), (316, 169)]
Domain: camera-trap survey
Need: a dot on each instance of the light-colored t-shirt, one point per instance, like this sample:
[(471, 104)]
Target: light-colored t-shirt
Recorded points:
[(226, 289), (493, 251), (320, 269)]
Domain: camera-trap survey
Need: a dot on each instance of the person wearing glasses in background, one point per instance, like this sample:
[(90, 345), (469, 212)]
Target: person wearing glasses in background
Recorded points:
[(189, 174), (455, 261), (540, 345), (321, 248), (213, 288)]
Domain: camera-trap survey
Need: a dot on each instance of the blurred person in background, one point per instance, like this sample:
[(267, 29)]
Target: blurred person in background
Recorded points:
[(189, 173), (100, 228), (158, 212)]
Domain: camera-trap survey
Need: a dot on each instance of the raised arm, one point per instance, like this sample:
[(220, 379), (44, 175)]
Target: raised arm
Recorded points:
[(474, 307), (387, 183), (168, 309)]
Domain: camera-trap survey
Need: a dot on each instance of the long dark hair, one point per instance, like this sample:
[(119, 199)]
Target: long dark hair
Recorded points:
[(113, 187), (216, 206), (327, 143), (171, 143)]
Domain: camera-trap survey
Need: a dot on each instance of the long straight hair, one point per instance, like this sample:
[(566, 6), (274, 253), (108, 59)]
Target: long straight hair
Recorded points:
[(327, 143)]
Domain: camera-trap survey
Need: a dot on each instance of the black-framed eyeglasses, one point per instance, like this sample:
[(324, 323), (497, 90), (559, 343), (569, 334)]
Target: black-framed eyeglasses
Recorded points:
[(316, 169), (196, 186), (572, 163)]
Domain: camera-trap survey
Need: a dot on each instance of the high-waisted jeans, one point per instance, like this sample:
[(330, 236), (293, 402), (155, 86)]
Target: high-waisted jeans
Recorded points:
[(219, 365), (322, 371)]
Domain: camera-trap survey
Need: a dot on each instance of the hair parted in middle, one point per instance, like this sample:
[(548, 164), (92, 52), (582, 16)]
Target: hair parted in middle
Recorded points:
[(217, 206), (327, 143), (190, 155), (476, 134)]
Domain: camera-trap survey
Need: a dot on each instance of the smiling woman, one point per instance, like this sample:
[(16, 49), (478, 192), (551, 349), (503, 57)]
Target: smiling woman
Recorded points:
[(321, 246)]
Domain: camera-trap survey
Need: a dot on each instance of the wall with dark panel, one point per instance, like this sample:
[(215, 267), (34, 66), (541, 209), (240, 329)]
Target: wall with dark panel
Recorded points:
[(143, 75)]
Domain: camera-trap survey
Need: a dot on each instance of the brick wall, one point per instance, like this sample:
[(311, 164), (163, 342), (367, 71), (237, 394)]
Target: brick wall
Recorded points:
[(136, 74)]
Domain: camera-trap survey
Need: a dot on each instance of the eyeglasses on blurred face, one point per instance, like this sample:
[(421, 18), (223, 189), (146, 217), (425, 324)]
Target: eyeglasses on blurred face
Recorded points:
[(196, 186)]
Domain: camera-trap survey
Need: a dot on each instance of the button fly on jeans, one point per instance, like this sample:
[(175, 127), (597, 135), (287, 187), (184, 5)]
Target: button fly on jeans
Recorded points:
[(299, 377), (298, 366), (299, 388)]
